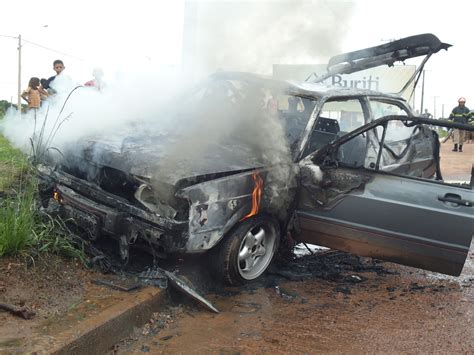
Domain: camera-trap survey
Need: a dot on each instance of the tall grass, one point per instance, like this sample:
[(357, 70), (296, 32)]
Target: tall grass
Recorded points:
[(24, 229), (18, 218), (12, 164)]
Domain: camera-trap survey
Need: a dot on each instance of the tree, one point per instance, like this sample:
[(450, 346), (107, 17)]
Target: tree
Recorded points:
[(3, 107)]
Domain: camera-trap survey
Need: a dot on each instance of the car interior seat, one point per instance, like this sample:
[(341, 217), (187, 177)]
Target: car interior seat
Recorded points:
[(325, 132), (353, 152)]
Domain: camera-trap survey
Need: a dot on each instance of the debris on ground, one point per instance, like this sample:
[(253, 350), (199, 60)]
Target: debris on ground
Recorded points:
[(121, 284), (285, 293), (154, 277), (187, 288), (329, 265), (22, 312)]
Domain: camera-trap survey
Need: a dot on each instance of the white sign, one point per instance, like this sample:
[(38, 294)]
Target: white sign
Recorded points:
[(384, 79)]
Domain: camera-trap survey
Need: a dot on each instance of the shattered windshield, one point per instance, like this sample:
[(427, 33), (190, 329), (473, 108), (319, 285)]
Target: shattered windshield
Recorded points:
[(237, 108)]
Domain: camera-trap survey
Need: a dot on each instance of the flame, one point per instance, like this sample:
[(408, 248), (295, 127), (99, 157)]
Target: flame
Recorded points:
[(57, 197), (256, 195)]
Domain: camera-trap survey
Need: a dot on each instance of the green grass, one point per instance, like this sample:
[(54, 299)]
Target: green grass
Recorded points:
[(12, 164), (17, 218), (442, 133), (23, 228)]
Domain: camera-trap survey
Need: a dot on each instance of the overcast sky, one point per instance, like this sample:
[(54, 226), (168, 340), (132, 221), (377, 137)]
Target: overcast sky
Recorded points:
[(141, 36)]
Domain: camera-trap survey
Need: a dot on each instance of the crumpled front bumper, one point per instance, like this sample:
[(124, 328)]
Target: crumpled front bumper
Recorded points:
[(97, 212)]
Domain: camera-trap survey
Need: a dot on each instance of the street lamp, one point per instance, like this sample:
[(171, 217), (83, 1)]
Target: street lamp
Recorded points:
[(422, 91)]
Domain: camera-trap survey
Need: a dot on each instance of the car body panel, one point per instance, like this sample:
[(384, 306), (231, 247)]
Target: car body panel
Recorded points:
[(405, 219), (396, 219)]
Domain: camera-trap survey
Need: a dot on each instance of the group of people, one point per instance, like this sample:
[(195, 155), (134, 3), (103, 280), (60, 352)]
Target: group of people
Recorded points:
[(38, 90), (461, 114)]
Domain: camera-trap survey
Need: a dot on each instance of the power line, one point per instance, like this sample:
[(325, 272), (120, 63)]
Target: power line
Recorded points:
[(9, 36), (44, 47), (52, 50)]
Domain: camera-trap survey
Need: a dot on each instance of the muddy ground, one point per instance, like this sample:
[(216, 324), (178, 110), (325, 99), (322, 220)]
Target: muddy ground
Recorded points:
[(456, 166), (328, 302), (48, 286)]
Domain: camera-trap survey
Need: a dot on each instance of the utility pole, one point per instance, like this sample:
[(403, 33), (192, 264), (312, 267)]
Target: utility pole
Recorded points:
[(434, 106), (422, 91), (442, 111), (19, 74)]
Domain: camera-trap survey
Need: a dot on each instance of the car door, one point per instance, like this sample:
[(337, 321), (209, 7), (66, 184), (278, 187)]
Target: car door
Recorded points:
[(349, 200)]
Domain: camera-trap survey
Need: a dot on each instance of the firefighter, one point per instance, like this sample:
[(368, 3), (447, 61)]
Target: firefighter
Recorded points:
[(470, 134), (460, 114)]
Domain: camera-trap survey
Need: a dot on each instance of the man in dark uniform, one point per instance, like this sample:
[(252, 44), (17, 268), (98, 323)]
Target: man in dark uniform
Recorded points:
[(460, 114)]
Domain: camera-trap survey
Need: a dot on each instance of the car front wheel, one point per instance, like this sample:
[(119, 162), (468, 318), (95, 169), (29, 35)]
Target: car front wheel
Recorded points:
[(246, 251)]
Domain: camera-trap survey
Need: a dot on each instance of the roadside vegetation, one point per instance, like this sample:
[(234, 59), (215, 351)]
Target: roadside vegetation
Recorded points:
[(12, 164), (24, 229)]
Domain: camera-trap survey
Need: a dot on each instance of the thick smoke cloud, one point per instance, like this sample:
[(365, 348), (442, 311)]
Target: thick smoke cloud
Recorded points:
[(76, 113), (252, 36)]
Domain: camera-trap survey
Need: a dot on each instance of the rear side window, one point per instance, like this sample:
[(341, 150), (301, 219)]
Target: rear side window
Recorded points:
[(397, 130), (382, 108)]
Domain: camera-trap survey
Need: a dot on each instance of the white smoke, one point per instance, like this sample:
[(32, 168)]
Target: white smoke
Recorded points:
[(254, 35), (76, 113), (227, 35)]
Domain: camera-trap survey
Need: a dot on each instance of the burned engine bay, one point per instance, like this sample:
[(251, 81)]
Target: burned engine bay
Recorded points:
[(176, 191)]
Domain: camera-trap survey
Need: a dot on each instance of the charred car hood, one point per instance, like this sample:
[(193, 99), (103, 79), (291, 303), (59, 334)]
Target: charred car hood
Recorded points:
[(152, 158)]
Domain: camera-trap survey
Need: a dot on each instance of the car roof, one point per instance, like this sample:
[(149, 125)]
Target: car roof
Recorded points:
[(309, 89)]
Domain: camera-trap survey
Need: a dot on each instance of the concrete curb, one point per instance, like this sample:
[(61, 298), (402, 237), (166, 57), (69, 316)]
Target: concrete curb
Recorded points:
[(98, 334)]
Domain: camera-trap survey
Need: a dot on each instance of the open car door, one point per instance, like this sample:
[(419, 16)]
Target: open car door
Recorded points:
[(382, 195)]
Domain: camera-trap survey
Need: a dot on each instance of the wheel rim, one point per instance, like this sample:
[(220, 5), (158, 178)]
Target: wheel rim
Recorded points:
[(256, 251)]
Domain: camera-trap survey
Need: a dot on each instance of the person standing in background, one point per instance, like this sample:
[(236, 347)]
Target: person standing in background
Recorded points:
[(98, 80), (426, 114), (58, 67), (460, 114), (34, 94)]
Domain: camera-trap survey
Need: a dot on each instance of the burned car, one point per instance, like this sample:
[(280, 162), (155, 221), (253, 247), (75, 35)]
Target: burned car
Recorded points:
[(259, 159)]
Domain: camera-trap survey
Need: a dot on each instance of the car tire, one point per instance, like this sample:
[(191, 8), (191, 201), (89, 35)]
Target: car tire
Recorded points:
[(246, 251)]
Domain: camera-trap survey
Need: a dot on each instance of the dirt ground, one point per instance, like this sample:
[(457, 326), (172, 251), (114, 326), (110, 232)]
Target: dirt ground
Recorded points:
[(328, 303), (456, 166), (49, 288)]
